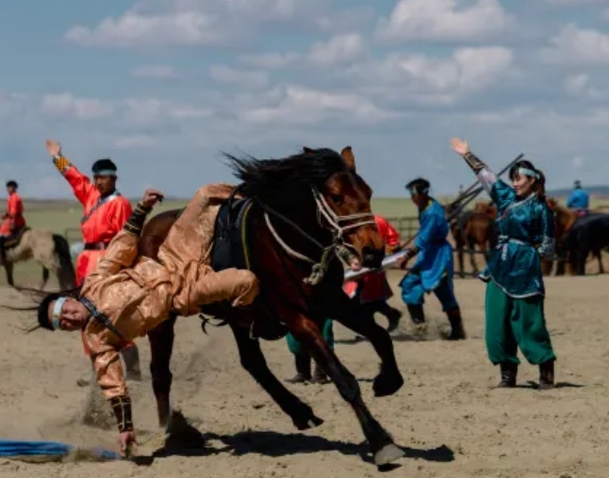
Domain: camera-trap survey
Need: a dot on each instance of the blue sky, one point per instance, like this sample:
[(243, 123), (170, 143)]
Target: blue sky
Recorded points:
[(163, 86)]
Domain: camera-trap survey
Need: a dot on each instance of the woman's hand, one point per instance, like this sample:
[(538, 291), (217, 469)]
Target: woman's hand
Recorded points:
[(459, 146), (151, 197)]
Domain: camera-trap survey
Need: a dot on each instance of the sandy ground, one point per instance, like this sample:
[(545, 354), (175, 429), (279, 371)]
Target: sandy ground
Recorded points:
[(447, 416)]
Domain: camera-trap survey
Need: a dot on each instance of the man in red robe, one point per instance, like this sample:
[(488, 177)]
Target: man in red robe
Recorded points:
[(372, 290), (105, 211), (13, 219)]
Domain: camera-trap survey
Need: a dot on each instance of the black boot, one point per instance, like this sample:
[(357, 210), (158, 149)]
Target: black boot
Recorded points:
[(546, 375), (416, 313), (509, 370), (303, 368), (393, 316), (319, 376), (457, 332)]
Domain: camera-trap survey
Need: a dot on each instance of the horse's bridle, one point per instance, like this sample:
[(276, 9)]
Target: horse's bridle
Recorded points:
[(339, 247)]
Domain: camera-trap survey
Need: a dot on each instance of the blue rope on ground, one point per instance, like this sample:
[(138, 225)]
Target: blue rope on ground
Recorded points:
[(13, 448)]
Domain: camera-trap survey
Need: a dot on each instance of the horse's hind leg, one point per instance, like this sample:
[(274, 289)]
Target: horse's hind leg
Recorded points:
[(380, 442), (345, 311), (252, 360), (161, 347), (45, 278)]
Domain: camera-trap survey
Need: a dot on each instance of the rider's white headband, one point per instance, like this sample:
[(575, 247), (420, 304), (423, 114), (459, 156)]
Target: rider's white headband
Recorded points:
[(57, 312)]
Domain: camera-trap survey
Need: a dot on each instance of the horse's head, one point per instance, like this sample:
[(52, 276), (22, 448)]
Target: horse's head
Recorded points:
[(320, 194), (344, 205)]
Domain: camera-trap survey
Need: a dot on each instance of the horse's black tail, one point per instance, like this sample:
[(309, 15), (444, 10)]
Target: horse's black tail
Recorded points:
[(67, 274)]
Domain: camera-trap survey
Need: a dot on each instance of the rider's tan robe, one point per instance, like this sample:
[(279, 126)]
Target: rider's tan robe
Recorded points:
[(137, 297)]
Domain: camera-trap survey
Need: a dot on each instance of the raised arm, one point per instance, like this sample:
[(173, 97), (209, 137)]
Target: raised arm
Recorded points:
[(499, 192), (80, 183), (123, 250)]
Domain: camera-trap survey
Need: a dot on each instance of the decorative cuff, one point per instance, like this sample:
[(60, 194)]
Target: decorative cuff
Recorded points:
[(474, 162), (121, 406), (61, 163), (136, 221)]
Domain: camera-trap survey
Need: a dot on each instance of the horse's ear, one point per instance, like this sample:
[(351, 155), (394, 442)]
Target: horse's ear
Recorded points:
[(307, 150), (348, 158)]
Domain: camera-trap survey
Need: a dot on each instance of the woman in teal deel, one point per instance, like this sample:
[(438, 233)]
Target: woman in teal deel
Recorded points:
[(515, 292)]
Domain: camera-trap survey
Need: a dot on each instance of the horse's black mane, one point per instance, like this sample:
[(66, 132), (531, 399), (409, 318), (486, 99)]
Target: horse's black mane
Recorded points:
[(266, 178)]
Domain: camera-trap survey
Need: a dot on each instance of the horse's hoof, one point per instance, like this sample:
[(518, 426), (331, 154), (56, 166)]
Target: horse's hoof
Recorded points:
[(307, 420), (388, 454), (386, 384)]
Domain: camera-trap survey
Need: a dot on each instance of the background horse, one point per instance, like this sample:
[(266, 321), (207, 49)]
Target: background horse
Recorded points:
[(471, 229), (575, 247), (302, 213), (590, 234), (51, 251)]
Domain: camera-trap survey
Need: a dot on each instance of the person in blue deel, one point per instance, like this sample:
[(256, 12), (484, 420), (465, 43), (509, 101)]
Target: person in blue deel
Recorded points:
[(433, 269), (579, 199)]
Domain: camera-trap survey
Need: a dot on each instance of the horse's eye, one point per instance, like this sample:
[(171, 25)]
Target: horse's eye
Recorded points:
[(337, 198)]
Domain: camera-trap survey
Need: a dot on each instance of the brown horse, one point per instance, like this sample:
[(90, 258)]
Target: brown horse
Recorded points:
[(473, 228), (303, 213)]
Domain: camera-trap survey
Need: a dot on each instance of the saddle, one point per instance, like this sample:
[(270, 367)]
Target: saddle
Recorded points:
[(14, 239), (231, 248)]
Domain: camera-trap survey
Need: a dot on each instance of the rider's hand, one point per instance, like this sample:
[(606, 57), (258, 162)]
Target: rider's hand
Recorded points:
[(53, 147), (126, 441), (151, 197)]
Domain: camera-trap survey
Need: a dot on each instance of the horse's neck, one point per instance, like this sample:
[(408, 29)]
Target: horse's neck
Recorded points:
[(565, 217), (305, 222)]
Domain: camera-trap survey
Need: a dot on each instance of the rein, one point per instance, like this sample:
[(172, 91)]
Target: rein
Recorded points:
[(338, 248)]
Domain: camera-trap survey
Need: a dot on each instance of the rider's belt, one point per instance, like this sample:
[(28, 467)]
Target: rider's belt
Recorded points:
[(95, 246)]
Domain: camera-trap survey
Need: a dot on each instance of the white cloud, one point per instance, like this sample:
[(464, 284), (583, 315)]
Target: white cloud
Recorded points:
[(580, 85), (244, 79), (573, 45), (298, 106), (443, 20), (66, 104), (573, 3), (154, 71), (339, 49), (154, 23), (270, 60), (136, 30), (425, 79)]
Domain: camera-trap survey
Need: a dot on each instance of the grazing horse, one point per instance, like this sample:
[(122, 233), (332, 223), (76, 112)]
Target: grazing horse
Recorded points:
[(52, 251), (471, 229), (291, 222)]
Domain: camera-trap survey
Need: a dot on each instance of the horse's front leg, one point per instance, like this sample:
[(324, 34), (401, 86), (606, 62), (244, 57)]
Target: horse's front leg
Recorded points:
[(472, 260), (349, 313), (161, 347), (307, 332), (252, 360)]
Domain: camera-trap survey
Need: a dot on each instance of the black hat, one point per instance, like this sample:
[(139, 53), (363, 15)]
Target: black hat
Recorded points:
[(104, 167)]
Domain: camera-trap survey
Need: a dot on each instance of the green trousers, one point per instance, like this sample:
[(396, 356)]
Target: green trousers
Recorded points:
[(328, 333), (516, 323)]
